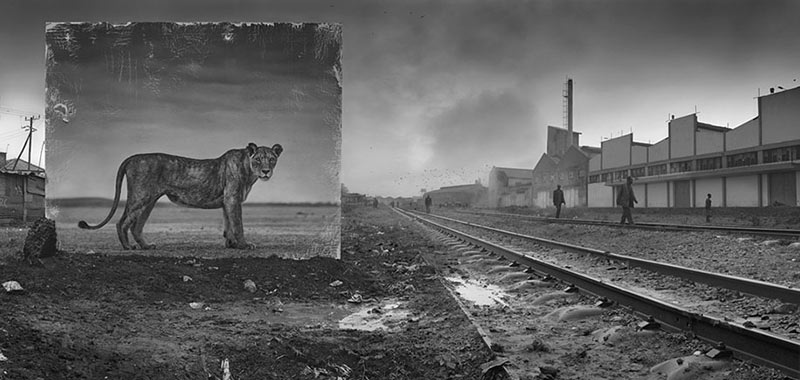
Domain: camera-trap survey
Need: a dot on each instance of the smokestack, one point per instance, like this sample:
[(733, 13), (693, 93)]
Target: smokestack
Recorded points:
[(569, 112)]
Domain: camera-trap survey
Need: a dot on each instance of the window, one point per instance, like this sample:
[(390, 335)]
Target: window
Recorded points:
[(620, 175), (709, 163), (742, 159), (594, 178), (571, 175), (604, 177), (657, 169), (680, 167), (638, 172), (781, 154)]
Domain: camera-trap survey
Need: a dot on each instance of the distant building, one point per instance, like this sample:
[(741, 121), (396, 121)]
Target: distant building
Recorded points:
[(566, 164), (509, 187), (21, 191), (754, 164), (354, 199), (471, 195)]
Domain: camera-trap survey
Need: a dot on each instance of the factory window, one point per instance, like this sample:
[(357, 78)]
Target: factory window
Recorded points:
[(709, 163), (571, 175), (680, 167), (604, 177), (620, 175), (742, 159), (638, 172), (657, 169), (780, 154), (594, 178)]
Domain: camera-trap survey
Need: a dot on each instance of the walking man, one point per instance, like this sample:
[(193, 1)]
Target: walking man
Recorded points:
[(708, 209), (558, 200), (626, 199), (428, 202)]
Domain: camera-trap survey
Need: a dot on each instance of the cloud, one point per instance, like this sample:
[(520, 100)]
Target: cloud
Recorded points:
[(490, 127)]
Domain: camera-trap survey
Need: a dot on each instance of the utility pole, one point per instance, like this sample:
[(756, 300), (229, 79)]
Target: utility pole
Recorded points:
[(28, 141)]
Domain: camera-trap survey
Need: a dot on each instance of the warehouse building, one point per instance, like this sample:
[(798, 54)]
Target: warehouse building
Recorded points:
[(754, 164), (21, 191), (471, 195)]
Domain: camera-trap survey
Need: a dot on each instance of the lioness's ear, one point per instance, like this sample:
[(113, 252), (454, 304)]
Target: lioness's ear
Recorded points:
[(277, 149), (252, 148)]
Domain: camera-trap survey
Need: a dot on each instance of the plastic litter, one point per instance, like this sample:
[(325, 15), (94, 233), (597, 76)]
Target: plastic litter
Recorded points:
[(196, 305), (336, 283)]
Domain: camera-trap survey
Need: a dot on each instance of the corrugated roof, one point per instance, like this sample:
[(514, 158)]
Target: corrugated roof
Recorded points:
[(22, 166), (516, 173)]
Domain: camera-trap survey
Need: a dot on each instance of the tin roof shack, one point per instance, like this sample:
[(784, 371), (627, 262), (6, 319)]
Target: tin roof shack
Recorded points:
[(21, 191)]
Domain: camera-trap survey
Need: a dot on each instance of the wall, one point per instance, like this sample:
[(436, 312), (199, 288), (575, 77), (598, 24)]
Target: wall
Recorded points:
[(709, 142), (638, 191), (764, 190), (594, 162), (617, 152), (704, 186), (657, 194), (780, 116), (600, 195), (659, 151), (638, 154), (743, 136), (542, 199), (742, 191), (681, 133)]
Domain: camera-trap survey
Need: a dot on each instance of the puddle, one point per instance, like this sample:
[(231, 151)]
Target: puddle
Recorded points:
[(481, 294), (388, 316)]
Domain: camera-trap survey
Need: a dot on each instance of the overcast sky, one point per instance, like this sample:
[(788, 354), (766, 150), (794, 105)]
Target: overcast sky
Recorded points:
[(437, 92)]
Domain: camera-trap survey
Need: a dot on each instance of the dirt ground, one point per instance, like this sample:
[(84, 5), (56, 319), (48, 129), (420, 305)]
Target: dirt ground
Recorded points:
[(96, 316)]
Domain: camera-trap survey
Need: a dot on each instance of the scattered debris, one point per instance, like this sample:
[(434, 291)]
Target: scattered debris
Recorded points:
[(226, 370), (3, 358), (41, 241), (336, 283), (187, 279), (356, 298), (196, 305)]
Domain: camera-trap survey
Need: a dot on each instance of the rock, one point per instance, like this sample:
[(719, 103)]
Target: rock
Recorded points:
[(336, 283), (770, 242), (786, 308), (250, 286), (743, 239), (196, 305), (795, 245), (12, 286), (41, 241)]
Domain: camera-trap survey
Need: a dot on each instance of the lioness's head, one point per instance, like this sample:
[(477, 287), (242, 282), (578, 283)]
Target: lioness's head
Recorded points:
[(263, 159)]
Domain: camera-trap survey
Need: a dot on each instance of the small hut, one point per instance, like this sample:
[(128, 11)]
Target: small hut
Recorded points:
[(21, 191)]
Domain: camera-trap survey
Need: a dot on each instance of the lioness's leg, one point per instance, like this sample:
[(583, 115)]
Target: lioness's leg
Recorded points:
[(122, 227), (235, 229), (138, 225)]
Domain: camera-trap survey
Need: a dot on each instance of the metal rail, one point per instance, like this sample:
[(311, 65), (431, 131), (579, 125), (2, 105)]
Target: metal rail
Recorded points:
[(760, 347), (744, 285), (655, 226)]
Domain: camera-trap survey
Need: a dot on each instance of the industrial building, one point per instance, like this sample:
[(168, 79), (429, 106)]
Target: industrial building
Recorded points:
[(471, 195), (21, 191), (510, 187), (752, 165)]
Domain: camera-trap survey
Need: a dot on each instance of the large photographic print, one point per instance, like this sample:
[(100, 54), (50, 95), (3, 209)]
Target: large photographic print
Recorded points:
[(195, 138)]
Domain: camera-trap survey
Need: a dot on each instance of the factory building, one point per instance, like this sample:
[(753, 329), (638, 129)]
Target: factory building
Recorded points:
[(755, 164), (566, 164)]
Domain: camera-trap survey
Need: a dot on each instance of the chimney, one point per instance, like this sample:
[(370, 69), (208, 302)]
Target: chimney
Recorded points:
[(2, 159), (569, 112)]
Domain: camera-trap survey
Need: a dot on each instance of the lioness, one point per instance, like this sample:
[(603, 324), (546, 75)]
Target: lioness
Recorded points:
[(222, 182)]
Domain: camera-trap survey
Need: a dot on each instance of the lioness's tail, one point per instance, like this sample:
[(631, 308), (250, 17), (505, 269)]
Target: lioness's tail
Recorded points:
[(120, 174)]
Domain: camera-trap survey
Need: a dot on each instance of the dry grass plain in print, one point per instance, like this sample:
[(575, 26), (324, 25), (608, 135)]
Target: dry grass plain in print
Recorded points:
[(288, 231)]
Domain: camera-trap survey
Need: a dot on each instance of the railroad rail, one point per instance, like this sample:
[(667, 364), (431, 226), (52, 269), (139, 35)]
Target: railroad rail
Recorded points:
[(760, 347), (777, 232)]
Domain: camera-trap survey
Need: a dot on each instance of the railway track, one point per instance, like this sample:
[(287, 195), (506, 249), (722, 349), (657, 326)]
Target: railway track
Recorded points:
[(774, 232), (755, 345)]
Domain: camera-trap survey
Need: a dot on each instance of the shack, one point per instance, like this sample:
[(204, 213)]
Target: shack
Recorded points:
[(21, 191)]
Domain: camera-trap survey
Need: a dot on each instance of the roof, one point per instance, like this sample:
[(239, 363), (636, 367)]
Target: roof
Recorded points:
[(710, 127), (22, 166), (462, 187), (515, 173), (546, 163), (591, 149)]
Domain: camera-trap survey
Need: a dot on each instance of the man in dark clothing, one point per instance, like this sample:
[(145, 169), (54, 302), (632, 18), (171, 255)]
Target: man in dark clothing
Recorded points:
[(626, 199), (558, 200), (428, 202), (375, 202), (708, 209)]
